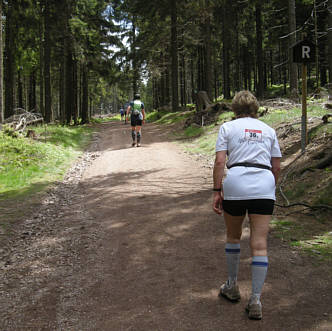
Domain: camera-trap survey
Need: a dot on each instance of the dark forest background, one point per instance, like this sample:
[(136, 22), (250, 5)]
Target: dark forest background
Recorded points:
[(71, 59)]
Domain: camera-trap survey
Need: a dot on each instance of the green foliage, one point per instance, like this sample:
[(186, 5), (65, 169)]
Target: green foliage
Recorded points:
[(302, 235), (193, 131), (105, 119), (25, 162), (320, 130), (10, 132), (226, 116), (275, 90), (155, 116), (164, 117), (297, 191), (325, 196), (278, 116)]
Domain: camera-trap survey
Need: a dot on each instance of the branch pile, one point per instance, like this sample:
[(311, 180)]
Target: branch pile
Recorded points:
[(20, 121)]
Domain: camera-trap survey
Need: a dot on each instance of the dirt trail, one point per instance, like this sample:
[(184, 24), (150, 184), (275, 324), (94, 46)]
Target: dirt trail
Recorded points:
[(136, 246)]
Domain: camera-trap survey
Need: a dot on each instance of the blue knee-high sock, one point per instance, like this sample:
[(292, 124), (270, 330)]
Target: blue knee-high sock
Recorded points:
[(133, 134), (259, 268), (138, 136), (233, 260)]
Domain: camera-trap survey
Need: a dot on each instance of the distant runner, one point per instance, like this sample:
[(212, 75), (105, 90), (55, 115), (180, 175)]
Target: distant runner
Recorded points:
[(137, 117), (122, 113)]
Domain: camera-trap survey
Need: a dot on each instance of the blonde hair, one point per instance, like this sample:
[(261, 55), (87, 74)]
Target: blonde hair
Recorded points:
[(245, 104)]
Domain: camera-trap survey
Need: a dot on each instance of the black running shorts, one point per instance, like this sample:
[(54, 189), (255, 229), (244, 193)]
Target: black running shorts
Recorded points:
[(256, 206), (135, 120)]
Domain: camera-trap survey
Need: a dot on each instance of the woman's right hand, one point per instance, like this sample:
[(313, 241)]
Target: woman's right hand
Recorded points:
[(217, 202)]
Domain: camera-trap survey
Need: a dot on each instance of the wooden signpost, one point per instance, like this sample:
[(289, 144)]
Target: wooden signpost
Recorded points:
[(304, 52)]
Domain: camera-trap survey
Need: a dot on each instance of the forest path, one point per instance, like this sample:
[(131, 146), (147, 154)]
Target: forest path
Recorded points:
[(137, 247)]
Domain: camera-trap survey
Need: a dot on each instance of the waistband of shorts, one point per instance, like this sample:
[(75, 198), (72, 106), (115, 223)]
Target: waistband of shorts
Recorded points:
[(248, 164)]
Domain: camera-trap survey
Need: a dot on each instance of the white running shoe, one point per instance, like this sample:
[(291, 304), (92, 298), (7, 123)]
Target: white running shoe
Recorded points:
[(254, 308), (230, 291)]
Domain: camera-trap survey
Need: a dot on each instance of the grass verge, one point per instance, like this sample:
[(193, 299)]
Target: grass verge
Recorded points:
[(308, 235), (28, 167)]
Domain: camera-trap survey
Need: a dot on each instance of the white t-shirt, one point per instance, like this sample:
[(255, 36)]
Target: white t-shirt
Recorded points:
[(252, 141)]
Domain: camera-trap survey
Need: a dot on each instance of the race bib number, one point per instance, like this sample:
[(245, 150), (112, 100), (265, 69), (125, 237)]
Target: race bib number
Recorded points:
[(255, 135)]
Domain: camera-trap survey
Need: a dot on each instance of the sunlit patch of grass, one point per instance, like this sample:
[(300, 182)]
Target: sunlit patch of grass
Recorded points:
[(278, 116), (318, 246), (25, 162), (320, 130), (170, 118), (193, 131), (303, 237), (275, 90), (75, 137), (106, 119), (155, 115), (226, 116)]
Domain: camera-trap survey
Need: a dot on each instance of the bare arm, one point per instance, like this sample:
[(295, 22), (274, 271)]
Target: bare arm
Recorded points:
[(275, 162), (218, 173)]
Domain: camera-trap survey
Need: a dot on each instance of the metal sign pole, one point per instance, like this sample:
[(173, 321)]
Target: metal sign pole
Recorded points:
[(304, 135)]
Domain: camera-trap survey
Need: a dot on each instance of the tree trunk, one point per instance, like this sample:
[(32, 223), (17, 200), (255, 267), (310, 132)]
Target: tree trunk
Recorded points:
[(226, 52), (174, 56), (271, 69), (163, 84), (1, 69), (192, 80), (208, 52), (62, 91), (259, 51), (41, 68), (330, 41), (182, 92), (68, 83), (9, 63), (167, 84), (85, 95), (134, 57), (199, 69), (75, 95), (32, 91), (47, 64), (322, 42), (293, 83), (20, 89), (237, 83), (184, 65)]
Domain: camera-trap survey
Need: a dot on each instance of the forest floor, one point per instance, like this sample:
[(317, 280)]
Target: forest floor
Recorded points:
[(129, 241)]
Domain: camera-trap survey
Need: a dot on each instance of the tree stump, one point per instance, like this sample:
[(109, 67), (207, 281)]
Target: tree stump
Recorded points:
[(207, 112), (203, 101)]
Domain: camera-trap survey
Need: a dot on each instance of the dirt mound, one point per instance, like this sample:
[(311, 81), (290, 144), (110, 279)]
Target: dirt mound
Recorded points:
[(307, 175)]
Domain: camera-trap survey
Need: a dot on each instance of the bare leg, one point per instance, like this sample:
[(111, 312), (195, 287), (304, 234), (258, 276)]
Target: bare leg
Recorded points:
[(233, 227), (138, 134), (259, 229), (133, 135)]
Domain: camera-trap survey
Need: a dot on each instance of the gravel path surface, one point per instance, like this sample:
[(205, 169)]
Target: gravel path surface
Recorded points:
[(129, 242)]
